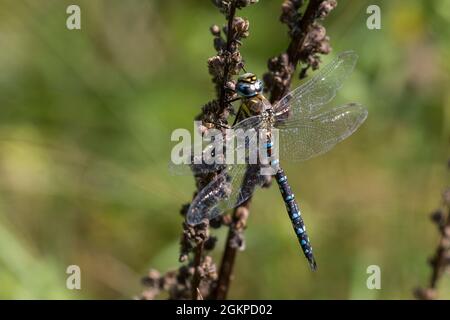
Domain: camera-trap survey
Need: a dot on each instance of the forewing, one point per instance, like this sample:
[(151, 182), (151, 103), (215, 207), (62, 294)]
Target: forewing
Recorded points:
[(193, 158), (303, 138), (318, 91)]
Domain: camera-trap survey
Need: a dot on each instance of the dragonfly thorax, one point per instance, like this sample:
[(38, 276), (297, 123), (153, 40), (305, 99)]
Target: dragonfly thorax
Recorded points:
[(268, 118)]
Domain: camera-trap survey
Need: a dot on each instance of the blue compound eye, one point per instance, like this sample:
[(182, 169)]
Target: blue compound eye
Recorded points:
[(244, 89)]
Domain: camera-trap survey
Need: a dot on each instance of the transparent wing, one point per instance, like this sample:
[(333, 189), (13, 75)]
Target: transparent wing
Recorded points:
[(318, 91), (195, 158), (233, 185), (303, 138)]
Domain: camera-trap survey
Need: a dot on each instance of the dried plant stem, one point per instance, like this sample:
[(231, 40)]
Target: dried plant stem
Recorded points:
[(237, 227), (197, 277), (441, 259), (297, 51), (223, 104), (440, 262), (222, 98)]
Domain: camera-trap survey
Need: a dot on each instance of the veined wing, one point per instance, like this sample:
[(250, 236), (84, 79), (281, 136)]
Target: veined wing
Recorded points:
[(198, 159), (302, 138), (318, 91), (233, 185)]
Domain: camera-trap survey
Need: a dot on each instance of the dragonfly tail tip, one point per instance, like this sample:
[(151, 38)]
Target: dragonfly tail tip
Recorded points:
[(313, 265)]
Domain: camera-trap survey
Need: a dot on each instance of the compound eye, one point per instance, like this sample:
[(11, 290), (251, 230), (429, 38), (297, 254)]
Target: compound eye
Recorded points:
[(243, 88)]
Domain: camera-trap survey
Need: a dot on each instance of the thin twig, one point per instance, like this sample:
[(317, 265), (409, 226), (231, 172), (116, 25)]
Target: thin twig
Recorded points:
[(440, 262), (308, 39), (196, 278), (295, 49), (223, 101), (234, 242)]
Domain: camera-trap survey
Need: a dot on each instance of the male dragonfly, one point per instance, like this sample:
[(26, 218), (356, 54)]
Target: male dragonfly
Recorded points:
[(307, 127)]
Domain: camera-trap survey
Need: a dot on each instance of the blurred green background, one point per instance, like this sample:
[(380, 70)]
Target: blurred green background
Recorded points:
[(85, 124)]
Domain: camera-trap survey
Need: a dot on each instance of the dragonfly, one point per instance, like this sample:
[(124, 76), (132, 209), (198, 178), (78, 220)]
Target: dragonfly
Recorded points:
[(307, 126)]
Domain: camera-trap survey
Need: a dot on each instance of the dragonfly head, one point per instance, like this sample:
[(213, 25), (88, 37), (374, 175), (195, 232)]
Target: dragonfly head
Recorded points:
[(248, 85)]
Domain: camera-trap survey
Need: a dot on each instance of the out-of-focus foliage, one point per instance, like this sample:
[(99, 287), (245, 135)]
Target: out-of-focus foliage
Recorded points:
[(85, 124)]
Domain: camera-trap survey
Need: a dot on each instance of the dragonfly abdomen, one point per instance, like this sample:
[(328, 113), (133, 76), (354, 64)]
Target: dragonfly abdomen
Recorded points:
[(291, 205), (295, 216)]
